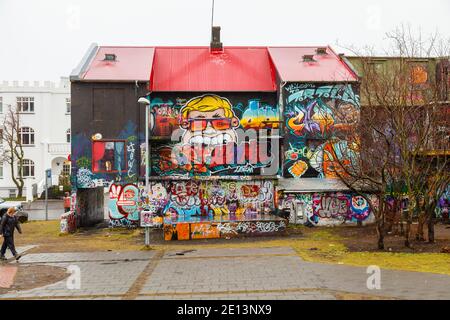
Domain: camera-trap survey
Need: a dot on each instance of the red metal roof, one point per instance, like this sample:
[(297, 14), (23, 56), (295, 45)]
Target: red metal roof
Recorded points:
[(197, 69), (326, 68), (132, 63)]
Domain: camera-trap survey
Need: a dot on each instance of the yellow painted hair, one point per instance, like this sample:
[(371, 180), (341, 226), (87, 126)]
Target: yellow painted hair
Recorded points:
[(207, 102)]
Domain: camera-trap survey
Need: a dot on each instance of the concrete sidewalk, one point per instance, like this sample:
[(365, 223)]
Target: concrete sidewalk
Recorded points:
[(241, 273)]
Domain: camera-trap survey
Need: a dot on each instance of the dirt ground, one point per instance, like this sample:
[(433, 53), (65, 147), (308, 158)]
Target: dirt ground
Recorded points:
[(34, 276), (359, 239)]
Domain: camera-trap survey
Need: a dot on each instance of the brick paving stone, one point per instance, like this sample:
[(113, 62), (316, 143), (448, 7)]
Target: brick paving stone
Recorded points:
[(275, 273), (108, 256), (7, 274), (20, 250), (95, 279), (398, 284), (228, 252)]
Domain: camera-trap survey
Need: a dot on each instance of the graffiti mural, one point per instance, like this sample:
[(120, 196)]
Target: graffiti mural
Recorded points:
[(316, 121), (331, 208), (204, 231), (230, 229), (99, 163), (213, 230), (443, 207), (209, 200), (189, 201), (216, 137), (123, 205)]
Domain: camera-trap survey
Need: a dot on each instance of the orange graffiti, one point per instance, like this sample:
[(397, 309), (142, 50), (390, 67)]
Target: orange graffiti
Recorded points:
[(250, 191)]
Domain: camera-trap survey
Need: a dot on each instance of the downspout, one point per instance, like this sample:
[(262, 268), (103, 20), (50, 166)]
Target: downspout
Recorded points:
[(281, 135)]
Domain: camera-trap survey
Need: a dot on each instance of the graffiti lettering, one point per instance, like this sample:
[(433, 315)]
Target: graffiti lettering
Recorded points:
[(130, 150)]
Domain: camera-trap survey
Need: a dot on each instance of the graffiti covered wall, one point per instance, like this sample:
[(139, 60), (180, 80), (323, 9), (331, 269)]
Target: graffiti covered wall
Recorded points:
[(328, 208), (215, 135), (191, 201), (111, 163), (317, 118)]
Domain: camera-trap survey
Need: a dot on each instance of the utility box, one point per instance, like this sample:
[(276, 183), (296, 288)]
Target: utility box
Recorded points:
[(90, 207)]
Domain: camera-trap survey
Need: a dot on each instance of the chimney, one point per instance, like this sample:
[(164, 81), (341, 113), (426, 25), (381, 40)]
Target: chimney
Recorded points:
[(216, 45)]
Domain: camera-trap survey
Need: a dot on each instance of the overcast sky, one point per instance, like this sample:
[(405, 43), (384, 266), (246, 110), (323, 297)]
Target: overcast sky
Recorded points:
[(45, 39)]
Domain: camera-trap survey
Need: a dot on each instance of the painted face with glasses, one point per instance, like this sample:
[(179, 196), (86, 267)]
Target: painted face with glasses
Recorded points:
[(208, 120)]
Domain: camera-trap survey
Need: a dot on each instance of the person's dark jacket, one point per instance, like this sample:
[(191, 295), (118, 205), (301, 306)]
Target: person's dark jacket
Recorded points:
[(8, 224)]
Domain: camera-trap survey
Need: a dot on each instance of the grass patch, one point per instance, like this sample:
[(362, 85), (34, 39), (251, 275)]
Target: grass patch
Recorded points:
[(46, 234)]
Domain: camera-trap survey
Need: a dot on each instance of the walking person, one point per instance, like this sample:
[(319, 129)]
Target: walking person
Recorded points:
[(8, 223), (66, 202)]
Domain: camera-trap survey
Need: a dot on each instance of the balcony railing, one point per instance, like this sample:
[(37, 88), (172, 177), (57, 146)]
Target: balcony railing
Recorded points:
[(59, 148)]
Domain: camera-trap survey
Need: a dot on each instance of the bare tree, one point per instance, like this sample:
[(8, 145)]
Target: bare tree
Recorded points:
[(418, 109), (13, 153), (402, 147)]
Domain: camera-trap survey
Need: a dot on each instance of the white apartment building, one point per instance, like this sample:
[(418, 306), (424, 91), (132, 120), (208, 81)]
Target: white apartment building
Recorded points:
[(45, 130)]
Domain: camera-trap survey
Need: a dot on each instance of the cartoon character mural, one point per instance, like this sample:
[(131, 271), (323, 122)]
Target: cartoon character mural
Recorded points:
[(208, 120), (317, 119), (218, 138)]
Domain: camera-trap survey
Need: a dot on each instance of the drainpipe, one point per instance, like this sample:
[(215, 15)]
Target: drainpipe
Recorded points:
[(281, 107)]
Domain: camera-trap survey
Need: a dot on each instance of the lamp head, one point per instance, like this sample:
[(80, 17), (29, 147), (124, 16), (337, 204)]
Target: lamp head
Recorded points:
[(143, 100)]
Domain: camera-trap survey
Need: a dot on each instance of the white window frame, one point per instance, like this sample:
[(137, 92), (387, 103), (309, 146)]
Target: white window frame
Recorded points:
[(27, 131), (65, 165), (1, 104), (21, 102), (68, 106), (28, 163), (68, 136), (1, 170)]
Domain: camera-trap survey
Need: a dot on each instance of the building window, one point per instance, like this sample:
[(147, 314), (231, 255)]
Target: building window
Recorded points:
[(1, 104), (1, 170), (66, 169), (108, 156), (26, 135), (1, 136), (67, 105), (25, 104), (68, 135), (27, 167)]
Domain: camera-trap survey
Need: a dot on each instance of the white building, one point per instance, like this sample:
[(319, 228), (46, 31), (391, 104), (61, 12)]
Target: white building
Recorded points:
[(45, 130)]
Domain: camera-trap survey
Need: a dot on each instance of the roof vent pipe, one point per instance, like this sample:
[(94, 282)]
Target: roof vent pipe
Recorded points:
[(308, 58), (321, 51), (110, 57)]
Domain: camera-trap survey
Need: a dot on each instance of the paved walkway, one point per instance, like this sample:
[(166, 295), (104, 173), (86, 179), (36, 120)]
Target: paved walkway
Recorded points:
[(225, 273)]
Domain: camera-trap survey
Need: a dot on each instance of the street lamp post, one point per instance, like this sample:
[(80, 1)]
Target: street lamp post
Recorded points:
[(146, 103)]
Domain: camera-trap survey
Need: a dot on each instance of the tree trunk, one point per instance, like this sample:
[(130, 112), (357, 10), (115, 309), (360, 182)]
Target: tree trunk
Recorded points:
[(421, 222), (381, 226), (408, 232), (431, 227), (380, 238)]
